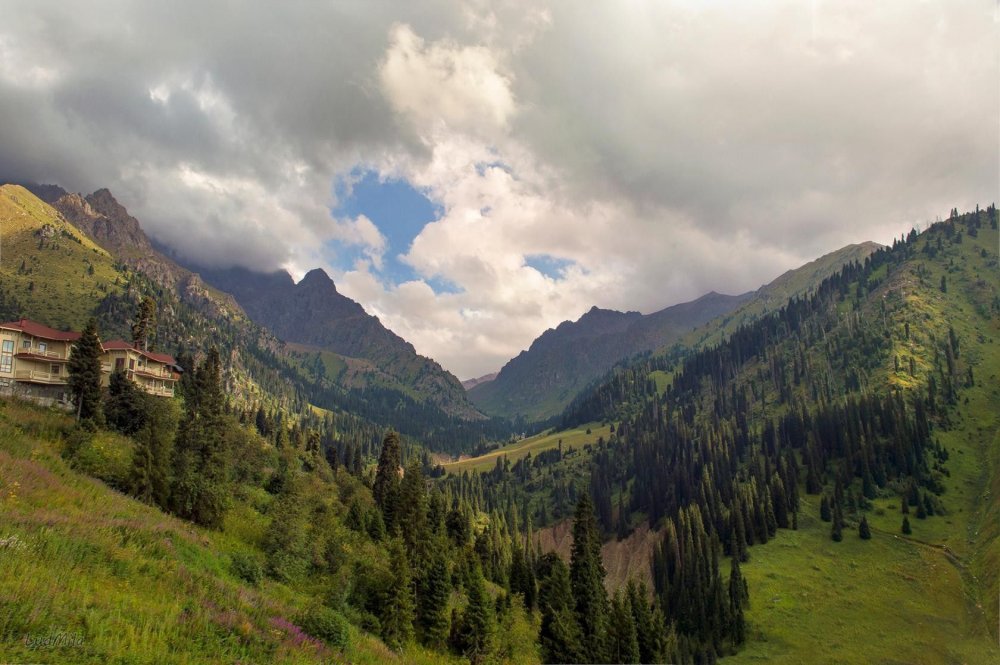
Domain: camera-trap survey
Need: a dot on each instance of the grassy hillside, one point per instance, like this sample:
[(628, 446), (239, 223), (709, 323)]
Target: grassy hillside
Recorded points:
[(55, 272), (91, 576), (570, 439)]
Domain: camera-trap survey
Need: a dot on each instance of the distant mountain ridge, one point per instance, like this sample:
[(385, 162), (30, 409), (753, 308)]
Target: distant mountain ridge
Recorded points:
[(541, 381), (315, 314), (469, 384)]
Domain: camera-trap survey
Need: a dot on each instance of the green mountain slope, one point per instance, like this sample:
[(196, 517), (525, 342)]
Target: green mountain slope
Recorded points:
[(88, 575), (877, 390), (313, 313), (541, 381), (49, 270)]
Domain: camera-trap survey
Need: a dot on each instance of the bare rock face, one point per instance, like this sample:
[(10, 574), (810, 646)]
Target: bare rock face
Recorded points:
[(110, 225)]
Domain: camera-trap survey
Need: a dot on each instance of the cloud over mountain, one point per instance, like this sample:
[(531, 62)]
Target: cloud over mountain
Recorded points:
[(650, 151)]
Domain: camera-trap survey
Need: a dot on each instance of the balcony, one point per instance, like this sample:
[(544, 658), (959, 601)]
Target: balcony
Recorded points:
[(41, 355), (35, 376), (159, 392)]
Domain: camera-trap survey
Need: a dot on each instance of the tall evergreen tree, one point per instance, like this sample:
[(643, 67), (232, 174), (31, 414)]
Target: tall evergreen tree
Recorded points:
[(433, 591), (399, 605), (648, 634), (149, 478), (201, 461), (739, 598), (85, 375), (474, 635), (387, 483), (587, 577), (623, 638), (125, 406), (145, 323), (560, 636)]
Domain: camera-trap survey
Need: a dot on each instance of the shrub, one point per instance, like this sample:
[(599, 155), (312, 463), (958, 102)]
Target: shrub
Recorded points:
[(247, 567), (326, 624)]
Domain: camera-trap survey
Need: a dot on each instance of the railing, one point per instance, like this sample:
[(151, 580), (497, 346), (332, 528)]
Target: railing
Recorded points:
[(159, 392), (40, 354), (39, 377)]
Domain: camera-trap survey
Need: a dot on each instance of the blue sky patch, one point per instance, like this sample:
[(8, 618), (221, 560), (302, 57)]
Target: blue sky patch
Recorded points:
[(550, 266), (399, 210)]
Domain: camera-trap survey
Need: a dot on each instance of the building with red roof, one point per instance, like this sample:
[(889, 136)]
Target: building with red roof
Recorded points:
[(34, 359)]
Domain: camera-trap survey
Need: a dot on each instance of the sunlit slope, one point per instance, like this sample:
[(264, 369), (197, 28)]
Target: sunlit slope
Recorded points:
[(55, 273)]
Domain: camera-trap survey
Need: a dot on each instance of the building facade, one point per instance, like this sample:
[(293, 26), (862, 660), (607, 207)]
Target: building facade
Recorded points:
[(34, 363)]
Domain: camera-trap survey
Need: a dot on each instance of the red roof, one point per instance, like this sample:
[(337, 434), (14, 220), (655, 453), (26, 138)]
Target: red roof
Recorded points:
[(122, 345), (35, 329)]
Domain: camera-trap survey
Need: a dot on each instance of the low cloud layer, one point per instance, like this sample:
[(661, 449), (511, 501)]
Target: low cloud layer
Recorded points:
[(654, 151)]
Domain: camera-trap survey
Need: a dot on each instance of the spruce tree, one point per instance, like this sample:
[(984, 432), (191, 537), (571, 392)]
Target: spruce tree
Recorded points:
[(739, 599), (398, 606), (836, 529), (412, 512), (906, 526), (200, 489), (474, 635), (824, 508), (623, 639), (149, 478), (387, 483), (145, 323), (560, 637), (433, 591), (85, 376), (647, 632), (125, 406), (587, 576), (863, 530)]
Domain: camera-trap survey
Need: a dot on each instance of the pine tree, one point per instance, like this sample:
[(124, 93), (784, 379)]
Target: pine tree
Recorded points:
[(398, 606), (412, 512), (387, 484), (560, 636), (623, 640), (149, 478), (474, 636), (863, 530), (836, 529), (906, 526), (587, 576), (85, 375), (824, 509), (125, 407), (433, 591), (647, 633), (739, 598), (145, 323), (200, 489)]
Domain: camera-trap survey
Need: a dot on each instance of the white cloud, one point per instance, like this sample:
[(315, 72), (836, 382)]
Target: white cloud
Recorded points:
[(444, 86), (664, 148)]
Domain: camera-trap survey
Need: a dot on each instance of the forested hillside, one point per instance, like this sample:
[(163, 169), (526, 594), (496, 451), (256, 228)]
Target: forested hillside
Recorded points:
[(853, 406)]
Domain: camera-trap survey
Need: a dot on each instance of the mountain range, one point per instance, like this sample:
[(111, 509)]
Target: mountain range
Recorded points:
[(541, 381)]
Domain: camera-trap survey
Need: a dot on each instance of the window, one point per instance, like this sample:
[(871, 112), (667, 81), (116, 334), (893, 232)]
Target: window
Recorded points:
[(54, 370), (119, 364), (6, 356), (43, 347), (26, 344), (131, 363)]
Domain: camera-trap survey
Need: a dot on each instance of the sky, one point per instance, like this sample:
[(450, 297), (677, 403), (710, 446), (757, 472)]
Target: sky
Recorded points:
[(475, 172)]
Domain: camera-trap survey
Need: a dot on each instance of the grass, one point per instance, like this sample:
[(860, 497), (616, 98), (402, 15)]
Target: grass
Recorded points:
[(885, 600), (59, 277), (571, 440), (88, 575), (932, 597)]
